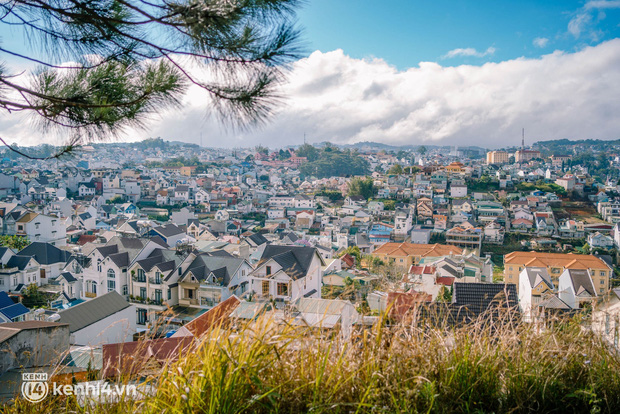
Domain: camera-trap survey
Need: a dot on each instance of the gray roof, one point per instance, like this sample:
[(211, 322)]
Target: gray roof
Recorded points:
[(295, 260), (222, 267), (581, 281), (169, 230), (68, 276), (18, 261), (538, 275), (80, 316), (45, 253)]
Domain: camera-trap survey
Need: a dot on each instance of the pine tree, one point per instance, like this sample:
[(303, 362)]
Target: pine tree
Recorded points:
[(107, 65)]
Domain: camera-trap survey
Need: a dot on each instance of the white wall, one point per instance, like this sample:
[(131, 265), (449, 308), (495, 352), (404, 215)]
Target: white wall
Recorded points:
[(116, 328)]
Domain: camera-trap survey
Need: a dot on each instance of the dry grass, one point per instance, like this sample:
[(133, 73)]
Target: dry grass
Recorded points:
[(489, 366)]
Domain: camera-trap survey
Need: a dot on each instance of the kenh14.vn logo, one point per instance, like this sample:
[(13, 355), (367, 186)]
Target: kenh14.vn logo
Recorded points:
[(34, 386)]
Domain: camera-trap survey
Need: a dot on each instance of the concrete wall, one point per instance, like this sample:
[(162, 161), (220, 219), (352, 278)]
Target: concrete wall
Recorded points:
[(34, 347)]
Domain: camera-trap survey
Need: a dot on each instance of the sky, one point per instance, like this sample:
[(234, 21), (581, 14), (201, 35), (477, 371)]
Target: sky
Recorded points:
[(409, 72)]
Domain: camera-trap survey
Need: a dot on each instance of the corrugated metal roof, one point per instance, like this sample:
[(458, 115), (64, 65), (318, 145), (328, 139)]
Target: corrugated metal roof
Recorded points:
[(85, 314)]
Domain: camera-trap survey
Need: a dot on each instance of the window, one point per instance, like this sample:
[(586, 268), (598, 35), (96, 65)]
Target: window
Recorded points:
[(282, 289), (268, 270), (169, 294), (143, 292), (602, 281), (265, 288), (602, 273), (111, 274), (141, 276), (99, 265), (1, 281), (142, 316), (125, 291), (157, 277), (111, 285), (158, 296)]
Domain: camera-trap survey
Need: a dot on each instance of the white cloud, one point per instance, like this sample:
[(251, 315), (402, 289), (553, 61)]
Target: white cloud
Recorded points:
[(583, 21), (333, 97), (540, 42), (469, 51)]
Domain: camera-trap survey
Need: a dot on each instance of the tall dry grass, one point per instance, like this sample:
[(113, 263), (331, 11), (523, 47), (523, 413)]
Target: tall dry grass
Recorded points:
[(491, 365)]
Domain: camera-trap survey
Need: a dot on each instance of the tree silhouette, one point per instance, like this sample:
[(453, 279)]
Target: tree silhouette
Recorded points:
[(106, 65)]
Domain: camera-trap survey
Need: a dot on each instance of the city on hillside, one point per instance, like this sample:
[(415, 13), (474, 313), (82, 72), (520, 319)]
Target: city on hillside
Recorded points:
[(155, 240)]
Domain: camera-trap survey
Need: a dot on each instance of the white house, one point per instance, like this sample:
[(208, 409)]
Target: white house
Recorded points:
[(287, 273), (534, 284), (576, 287)]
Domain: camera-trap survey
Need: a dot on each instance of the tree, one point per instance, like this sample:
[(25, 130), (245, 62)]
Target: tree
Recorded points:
[(422, 150), (395, 169), (261, 150), (14, 242), (33, 298), (444, 295), (412, 170), (355, 252), (364, 187), (130, 59), (308, 151)]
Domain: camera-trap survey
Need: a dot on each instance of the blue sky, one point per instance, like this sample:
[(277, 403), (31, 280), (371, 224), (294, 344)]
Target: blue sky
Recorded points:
[(405, 32)]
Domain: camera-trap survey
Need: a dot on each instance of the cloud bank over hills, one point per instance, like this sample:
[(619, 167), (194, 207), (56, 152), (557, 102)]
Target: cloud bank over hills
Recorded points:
[(333, 97)]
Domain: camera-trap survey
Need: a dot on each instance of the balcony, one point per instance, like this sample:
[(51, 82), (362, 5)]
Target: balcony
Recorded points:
[(139, 279), (145, 301), (188, 302), (155, 281), (90, 294)]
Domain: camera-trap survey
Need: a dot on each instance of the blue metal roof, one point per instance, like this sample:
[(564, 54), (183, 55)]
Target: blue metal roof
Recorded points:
[(14, 311), (5, 300)]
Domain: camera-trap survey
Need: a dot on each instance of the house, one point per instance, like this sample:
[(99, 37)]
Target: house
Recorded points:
[(32, 344), (380, 233), (11, 311), (354, 201), (534, 286), (403, 255), (458, 191), (326, 314), (556, 264), (171, 234), (39, 227), (424, 207), (287, 273), (600, 241), (576, 287), (606, 317), (467, 238), (50, 258), (19, 272), (87, 189), (153, 287), (71, 285), (420, 235), (103, 320), (207, 279), (494, 233), (106, 267)]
